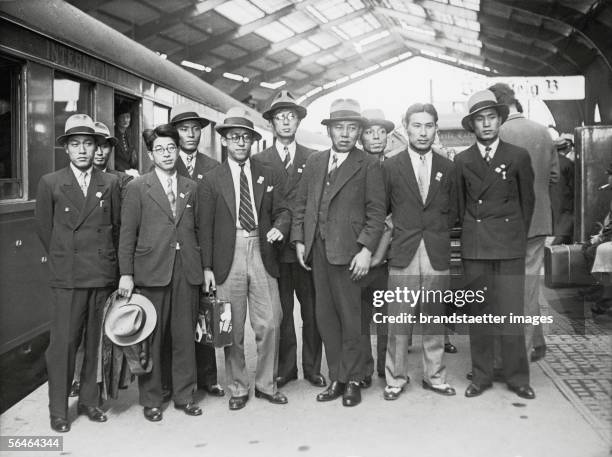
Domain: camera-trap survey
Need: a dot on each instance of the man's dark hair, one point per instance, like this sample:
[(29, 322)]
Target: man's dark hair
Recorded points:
[(420, 108), (161, 131), (505, 95)]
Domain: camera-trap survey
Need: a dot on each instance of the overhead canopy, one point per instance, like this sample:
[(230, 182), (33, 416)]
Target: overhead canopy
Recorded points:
[(251, 48)]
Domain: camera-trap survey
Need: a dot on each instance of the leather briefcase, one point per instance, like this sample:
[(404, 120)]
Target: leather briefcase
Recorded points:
[(565, 266), (214, 322)]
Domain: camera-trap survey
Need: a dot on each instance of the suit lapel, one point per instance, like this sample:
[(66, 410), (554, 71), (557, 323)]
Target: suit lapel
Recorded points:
[(183, 187), (181, 169), (475, 163), (499, 158), (258, 184), (349, 167), (299, 160), (71, 188), (157, 193), (226, 183), (320, 174), (435, 178), (96, 187), (407, 171)]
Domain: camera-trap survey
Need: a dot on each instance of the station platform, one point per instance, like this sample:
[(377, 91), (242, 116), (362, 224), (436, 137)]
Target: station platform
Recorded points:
[(571, 416)]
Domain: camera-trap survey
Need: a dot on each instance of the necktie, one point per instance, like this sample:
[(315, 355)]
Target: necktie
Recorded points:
[(171, 197), (287, 159), (245, 212), (83, 184), (487, 156), (331, 174), (423, 177), (190, 164)]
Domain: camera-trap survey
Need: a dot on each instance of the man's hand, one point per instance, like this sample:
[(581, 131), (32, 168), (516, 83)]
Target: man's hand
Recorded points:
[(274, 235), (126, 286), (209, 280), (360, 265), (300, 250)]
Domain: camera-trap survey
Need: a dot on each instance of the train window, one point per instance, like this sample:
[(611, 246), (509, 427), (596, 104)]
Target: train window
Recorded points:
[(70, 96), (10, 158), (161, 114), (126, 132)]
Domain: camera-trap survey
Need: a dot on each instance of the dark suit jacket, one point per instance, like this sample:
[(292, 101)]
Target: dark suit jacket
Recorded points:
[(218, 223), (495, 213), (413, 220), (79, 234), (291, 180), (124, 178), (357, 207), (202, 166), (149, 232)]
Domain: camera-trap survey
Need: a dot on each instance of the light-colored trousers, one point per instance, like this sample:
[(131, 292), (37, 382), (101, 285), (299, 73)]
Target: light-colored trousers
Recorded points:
[(249, 284), (418, 275), (534, 259)]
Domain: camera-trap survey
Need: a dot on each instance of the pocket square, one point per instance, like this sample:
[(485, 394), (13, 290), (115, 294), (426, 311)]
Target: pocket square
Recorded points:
[(260, 180), (269, 188), (188, 206)]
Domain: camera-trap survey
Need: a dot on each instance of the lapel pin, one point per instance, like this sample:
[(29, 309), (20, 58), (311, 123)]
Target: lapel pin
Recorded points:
[(497, 170), (269, 188), (99, 194), (188, 206), (66, 209), (200, 176), (101, 203), (182, 195), (438, 176), (299, 170), (260, 180)]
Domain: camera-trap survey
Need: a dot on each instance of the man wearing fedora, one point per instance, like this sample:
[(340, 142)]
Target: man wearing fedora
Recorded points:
[(194, 165), (496, 201), (422, 198), (288, 159), (103, 154), (243, 215), (159, 253), (77, 214), (338, 220)]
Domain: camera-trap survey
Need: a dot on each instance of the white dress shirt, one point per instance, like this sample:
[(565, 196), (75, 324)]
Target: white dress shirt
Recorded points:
[(280, 148), (493, 146), (78, 173), (184, 155), (163, 179), (341, 158), (235, 169), (415, 158)]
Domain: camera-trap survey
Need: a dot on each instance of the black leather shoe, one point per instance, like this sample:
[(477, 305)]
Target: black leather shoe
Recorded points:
[(474, 390), (447, 390), (316, 380), (215, 390), (498, 375), (277, 398), (190, 408), (59, 424), (366, 382), (282, 380), (523, 391), (152, 414), (450, 348), (392, 393), (238, 402), (352, 394), (93, 412), (538, 353), (75, 389), (334, 390)]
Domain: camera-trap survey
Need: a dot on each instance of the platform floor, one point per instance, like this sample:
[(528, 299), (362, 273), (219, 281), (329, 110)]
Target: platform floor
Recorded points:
[(571, 416)]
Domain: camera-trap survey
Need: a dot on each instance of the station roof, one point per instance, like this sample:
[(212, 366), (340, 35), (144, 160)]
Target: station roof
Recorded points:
[(251, 48)]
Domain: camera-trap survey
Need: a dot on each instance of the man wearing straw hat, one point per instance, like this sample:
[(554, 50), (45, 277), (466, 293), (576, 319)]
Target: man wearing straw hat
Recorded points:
[(288, 158), (338, 220), (77, 213), (244, 212), (496, 201)]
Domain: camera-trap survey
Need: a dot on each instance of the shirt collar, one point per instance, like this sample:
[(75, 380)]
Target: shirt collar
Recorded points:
[(184, 155), (280, 148), (416, 154), (236, 166), (333, 151), (77, 172), (493, 146), (163, 177)]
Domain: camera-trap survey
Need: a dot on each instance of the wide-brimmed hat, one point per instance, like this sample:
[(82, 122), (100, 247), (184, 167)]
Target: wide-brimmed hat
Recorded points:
[(186, 112), (79, 124), (237, 117), (481, 100), (101, 128), (284, 100), (376, 117), (344, 109), (130, 321)]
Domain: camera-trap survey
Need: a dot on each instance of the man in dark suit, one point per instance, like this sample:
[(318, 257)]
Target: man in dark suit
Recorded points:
[(243, 215), (159, 252), (103, 153), (78, 213), (288, 158), (338, 220), (422, 199), (194, 165), (496, 201)]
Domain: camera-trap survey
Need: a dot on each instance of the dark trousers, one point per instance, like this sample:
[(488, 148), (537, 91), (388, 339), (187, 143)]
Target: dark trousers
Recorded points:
[(74, 310), (294, 278), (504, 285), (206, 364), (379, 278), (176, 306), (338, 314)]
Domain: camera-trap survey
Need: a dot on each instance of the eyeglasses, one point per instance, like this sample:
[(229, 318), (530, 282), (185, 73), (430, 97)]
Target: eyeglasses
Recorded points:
[(285, 117), (235, 138), (160, 149)]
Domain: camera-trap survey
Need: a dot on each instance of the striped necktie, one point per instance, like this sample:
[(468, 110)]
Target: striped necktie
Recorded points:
[(245, 212), (423, 177), (287, 160), (83, 182), (488, 156), (190, 164), (331, 174), (171, 197)]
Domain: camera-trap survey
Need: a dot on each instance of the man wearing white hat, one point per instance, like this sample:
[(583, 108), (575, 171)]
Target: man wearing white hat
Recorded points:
[(288, 158), (496, 201), (338, 220), (77, 213), (243, 215)]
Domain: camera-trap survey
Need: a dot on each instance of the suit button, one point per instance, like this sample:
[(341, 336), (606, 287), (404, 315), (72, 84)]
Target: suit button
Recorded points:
[(507, 220), (480, 202)]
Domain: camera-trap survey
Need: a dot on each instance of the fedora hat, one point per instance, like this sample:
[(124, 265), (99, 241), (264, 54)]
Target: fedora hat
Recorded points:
[(237, 117), (79, 124), (481, 100), (130, 321), (344, 109), (284, 100), (186, 112), (376, 117), (101, 128)]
